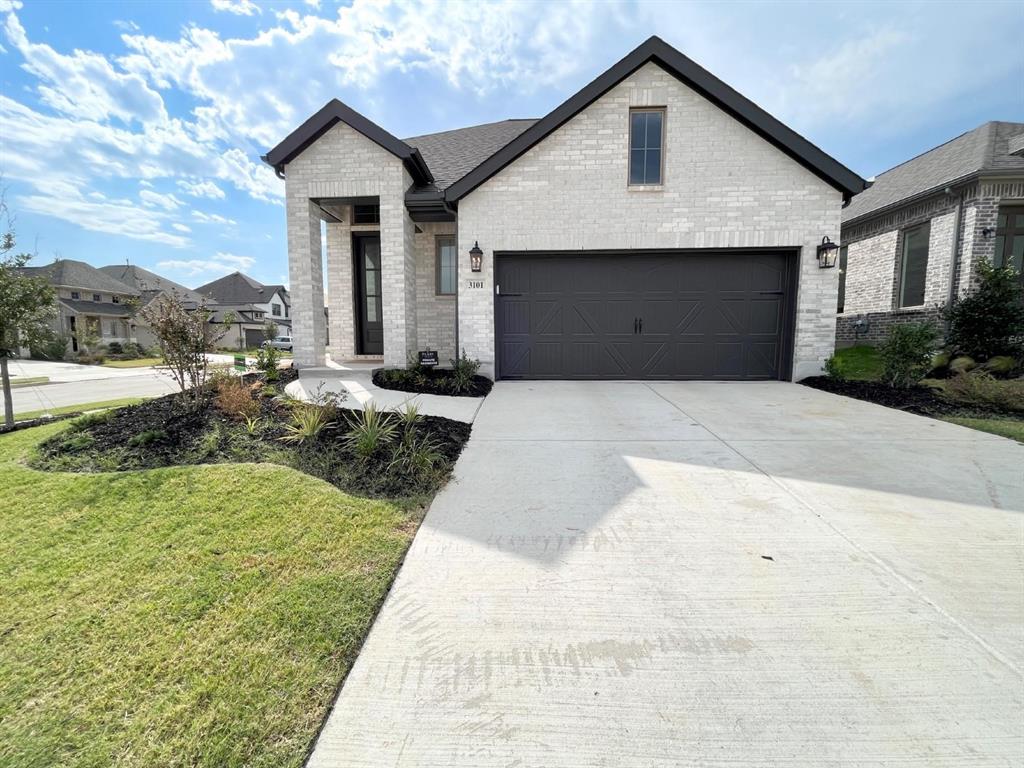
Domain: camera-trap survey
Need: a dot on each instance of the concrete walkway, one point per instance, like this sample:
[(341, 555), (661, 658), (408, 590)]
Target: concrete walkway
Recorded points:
[(703, 574), (355, 381)]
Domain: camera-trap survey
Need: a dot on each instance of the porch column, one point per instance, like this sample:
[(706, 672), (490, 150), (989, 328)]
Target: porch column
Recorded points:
[(306, 278), (398, 281), (340, 290)]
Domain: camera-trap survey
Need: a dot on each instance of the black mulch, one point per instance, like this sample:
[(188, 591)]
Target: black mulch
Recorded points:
[(428, 381), (919, 400)]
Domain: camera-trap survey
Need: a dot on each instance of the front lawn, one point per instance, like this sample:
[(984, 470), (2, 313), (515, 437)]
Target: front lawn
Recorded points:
[(861, 363), (1004, 427), (29, 381), (141, 362), (61, 410), (185, 616)]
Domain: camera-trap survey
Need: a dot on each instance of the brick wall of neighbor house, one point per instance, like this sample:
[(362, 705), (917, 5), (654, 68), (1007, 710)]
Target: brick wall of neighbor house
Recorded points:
[(724, 187), (435, 315), (873, 258), (344, 163)]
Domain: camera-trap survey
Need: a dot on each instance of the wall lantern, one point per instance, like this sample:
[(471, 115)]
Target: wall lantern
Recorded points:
[(476, 257), (987, 232), (827, 253)]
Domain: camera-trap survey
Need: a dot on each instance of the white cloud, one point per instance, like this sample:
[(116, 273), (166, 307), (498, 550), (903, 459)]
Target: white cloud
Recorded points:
[(126, 25), (201, 189), (212, 218), (181, 227), (220, 264), (237, 7), (153, 199)]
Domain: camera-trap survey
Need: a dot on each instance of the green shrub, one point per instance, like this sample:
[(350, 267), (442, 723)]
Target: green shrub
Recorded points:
[(990, 321), (267, 359), (962, 364), (413, 457), (77, 441), (52, 348), (91, 419), (115, 348), (1001, 365), (369, 431), (463, 371), (308, 421), (906, 354), (147, 437), (253, 424), (833, 368), (980, 388)]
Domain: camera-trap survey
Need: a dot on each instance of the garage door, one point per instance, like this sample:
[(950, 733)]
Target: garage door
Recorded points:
[(720, 315)]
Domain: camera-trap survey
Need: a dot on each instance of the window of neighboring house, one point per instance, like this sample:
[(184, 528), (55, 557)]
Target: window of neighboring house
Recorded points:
[(366, 214), (116, 299), (75, 295), (1009, 245), (96, 297), (646, 135), (842, 279), (446, 270), (275, 310), (914, 266)]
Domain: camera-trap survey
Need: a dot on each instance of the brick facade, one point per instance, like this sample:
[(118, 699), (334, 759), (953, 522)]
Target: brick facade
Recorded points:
[(435, 315), (724, 187), (875, 245)]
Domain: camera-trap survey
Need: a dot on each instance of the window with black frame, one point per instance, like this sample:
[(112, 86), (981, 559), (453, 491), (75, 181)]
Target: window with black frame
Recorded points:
[(914, 266), (646, 153), (1009, 245)]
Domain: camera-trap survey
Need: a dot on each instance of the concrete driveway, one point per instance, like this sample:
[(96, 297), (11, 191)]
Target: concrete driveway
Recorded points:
[(707, 574)]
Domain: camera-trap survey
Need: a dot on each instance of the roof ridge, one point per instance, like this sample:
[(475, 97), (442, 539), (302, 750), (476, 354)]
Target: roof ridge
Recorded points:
[(470, 127)]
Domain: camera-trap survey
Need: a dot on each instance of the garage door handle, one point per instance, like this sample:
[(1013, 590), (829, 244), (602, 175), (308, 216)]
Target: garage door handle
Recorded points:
[(641, 325), (772, 293), (636, 320)]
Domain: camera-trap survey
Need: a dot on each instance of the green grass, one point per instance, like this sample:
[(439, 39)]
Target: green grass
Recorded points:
[(24, 415), (191, 616), (1011, 428), (860, 363), (29, 381), (139, 363)]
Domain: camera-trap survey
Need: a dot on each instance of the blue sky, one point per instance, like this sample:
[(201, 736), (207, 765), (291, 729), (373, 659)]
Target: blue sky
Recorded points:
[(133, 131)]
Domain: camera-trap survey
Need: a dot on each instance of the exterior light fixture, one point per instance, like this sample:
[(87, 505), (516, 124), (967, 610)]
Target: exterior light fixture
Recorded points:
[(476, 257), (987, 232), (828, 252)]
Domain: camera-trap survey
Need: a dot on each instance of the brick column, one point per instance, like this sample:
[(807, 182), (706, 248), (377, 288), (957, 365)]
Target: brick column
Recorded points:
[(340, 291), (306, 279), (398, 281)]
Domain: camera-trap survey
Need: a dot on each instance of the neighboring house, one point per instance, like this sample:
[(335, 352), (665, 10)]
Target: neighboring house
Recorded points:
[(914, 239), (150, 285), (250, 305), (656, 225), (91, 303)]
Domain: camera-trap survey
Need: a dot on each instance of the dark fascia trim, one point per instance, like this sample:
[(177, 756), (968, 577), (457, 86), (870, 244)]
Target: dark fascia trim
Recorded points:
[(333, 112), (696, 77), (428, 205)]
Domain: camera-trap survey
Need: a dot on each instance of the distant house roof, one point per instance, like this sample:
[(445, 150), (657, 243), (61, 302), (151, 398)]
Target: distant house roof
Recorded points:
[(271, 289), (237, 288), (453, 154), (68, 273), (988, 148), (150, 284), (80, 307)]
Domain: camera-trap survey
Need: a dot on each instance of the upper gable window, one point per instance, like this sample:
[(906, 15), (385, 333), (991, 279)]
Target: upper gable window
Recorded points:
[(646, 152)]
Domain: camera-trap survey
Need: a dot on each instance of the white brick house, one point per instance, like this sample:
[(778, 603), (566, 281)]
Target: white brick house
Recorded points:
[(655, 225), (913, 240)]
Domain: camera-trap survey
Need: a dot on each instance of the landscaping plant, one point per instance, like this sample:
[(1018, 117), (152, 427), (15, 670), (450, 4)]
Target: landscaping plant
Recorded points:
[(833, 368), (990, 321), (234, 397), (26, 307), (463, 371), (184, 336), (267, 359), (907, 354), (306, 424), (980, 388), (369, 431)]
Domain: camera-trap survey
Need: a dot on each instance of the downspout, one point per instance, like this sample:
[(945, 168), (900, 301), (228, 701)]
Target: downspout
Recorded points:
[(954, 259)]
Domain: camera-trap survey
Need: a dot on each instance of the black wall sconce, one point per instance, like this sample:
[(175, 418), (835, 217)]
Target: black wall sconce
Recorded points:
[(987, 232), (476, 257), (828, 252)]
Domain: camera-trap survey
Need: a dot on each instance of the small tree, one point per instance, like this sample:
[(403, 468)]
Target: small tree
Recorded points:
[(990, 321), (26, 307), (907, 354), (184, 337), (270, 330)]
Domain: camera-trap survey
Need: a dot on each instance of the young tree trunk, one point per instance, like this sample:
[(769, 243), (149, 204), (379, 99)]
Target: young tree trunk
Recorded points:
[(8, 400)]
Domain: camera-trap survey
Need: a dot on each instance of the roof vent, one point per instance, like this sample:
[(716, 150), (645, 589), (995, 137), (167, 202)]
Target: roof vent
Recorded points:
[(1015, 145)]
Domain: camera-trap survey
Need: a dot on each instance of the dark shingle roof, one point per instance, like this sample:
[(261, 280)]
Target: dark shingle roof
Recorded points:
[(149, 284), (986, 148), (237, 288), (98, 308), (77, 274), (450, 155)]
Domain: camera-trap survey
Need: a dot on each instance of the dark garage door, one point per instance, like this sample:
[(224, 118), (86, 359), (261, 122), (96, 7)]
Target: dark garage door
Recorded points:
[(718, 315)]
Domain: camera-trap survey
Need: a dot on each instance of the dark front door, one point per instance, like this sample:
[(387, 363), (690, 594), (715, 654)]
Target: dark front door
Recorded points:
[(369, 315), (711, 315)]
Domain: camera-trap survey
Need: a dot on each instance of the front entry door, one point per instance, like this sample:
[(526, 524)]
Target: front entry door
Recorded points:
[(369, 318)]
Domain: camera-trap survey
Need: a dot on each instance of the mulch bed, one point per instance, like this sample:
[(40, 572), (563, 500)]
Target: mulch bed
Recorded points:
[(428, 381), (920, 400)]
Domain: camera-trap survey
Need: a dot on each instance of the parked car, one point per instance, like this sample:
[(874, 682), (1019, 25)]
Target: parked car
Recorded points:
[(279, 342)]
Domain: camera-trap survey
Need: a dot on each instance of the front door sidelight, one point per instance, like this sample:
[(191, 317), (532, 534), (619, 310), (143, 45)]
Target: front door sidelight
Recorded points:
[(370, 315)]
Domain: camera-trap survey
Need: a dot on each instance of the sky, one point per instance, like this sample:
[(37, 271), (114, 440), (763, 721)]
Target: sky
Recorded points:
[(132, 131)]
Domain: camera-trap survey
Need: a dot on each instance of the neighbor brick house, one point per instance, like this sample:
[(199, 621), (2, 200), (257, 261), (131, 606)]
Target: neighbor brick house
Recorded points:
[(250, 305), (914, 239), (656, 225)]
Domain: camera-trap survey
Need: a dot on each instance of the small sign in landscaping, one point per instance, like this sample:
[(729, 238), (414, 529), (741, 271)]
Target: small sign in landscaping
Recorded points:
[(240, 363), (428, 358)]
